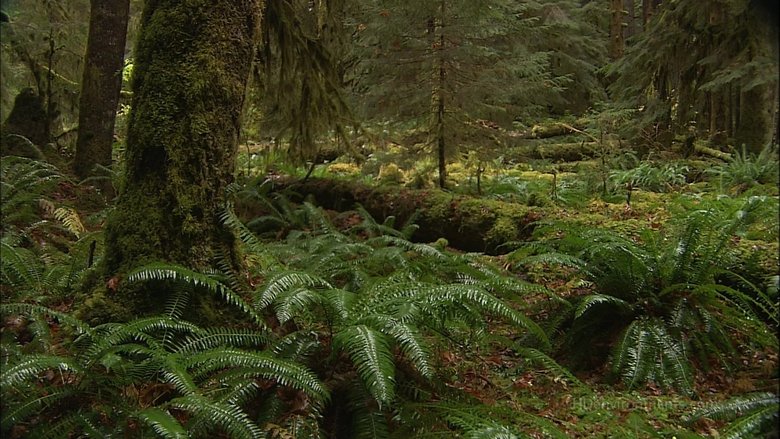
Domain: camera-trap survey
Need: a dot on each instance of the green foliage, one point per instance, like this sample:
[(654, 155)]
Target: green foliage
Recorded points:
[(664, 297), (299, 80), (24, 185), (751, 415), (170, 272), (375, 302), (733, 51), (747, 170), (43, 46), (664, 177), (188, 368)]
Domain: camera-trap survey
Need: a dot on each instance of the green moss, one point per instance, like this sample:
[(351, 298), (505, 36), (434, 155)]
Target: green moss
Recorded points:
[(101, 307)]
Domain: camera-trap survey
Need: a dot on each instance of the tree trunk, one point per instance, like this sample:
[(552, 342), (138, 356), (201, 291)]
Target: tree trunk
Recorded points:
[(616, 41), (438, 102), (756, 119), (631, 27), (191, 70), (648, 10), (100, 86)]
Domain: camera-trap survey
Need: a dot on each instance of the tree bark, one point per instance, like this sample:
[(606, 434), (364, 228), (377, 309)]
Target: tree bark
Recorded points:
[(100, 86), (631, 27), (616, 41), (438, 101), (191, 70)]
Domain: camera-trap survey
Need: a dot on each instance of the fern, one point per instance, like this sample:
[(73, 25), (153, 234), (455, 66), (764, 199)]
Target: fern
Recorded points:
[(229, 418), (32, 405), (750, 414), (32, 365), (598, 300), (70, 218), (541, 358), (211, 338), (369, 350), (286, 373), (285, 281), (163, 271), (33, 310), (162, 423)]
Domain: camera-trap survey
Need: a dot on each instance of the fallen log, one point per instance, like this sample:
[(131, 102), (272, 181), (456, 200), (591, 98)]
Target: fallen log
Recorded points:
[(567, 152), (467, 223), (701, 149), (552, 129)]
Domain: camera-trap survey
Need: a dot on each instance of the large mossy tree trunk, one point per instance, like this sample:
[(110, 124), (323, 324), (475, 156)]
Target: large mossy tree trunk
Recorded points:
[(101, 84), (192, 65)]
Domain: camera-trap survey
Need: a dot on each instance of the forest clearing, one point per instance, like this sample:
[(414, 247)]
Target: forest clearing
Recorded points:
[(379, 219)]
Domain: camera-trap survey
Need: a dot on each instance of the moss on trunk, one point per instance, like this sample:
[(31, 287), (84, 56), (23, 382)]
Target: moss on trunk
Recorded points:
[(192, 63)]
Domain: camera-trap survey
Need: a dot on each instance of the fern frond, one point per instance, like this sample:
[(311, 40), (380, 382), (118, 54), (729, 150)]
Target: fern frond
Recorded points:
[(163, 271), (211, 338), (162, 423), (263, 364), (175, 372), (229, 418), (296, 345), (552, 258), (372, 228), (137, 330), (32, 310), (635, 354), (750, 425), (598, 300), (408, 338), (177, 303), (541, 358), (370, 352), (285, 281), (18, 412), (454, 294), (422, 249), (32, 365), (70, 219), (674, 361), (734, 407), (289, 304), (230, 219)]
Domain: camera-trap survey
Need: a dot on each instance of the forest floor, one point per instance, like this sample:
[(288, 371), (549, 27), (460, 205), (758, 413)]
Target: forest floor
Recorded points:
[(603, 408), (589, 402)]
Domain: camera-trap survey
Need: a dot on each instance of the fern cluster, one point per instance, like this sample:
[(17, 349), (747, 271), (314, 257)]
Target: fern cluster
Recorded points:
[(664, 303), (153, 374), (747, 169), (366, 300)]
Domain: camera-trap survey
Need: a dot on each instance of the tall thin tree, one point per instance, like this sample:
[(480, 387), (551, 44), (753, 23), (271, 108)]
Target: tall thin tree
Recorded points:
[(101, 85)]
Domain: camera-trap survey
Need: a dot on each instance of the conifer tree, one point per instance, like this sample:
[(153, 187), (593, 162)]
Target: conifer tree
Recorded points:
[(704, 67), (447, 64)]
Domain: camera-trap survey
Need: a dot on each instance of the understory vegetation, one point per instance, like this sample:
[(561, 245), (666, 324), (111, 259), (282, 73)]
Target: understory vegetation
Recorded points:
[(349, 219), (341, 325)]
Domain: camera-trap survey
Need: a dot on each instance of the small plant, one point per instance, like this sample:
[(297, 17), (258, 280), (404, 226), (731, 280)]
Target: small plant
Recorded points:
[(753, 415), (663, 298), (651, 177), (747, 170)]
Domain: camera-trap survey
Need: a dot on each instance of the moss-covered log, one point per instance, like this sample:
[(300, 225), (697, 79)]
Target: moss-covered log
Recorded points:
[(191, 69), (467, 223), (567, 152)]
